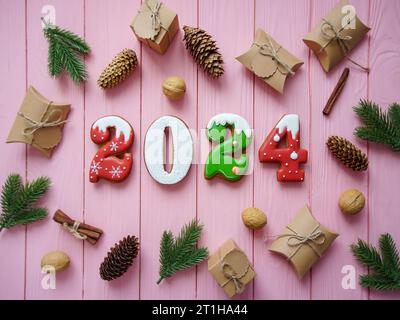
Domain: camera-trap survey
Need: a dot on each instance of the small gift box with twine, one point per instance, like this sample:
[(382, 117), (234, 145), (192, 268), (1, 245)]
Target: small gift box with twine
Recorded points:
[(231, 268), (269, 61), (336, 35), (303, 242), (39, 122), (155, 25)]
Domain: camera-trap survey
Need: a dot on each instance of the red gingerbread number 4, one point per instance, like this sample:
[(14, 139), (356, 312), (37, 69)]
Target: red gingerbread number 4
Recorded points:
[(105, 163), (290, 157)]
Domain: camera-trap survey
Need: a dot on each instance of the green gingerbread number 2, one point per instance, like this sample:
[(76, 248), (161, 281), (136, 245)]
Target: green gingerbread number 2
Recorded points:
[(221, 160)]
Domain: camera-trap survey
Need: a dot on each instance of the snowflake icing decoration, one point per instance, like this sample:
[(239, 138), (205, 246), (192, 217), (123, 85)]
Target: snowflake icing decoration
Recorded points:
[(114, 146), (95, 167), (116, 172)]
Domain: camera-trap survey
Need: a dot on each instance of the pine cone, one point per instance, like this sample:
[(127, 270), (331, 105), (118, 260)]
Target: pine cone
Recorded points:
[(351, 156), (119, 258), (204, 50), (119, 69)]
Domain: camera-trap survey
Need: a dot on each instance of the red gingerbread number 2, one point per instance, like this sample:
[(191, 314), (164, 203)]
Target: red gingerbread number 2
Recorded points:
[(292, 156), (106, 164)]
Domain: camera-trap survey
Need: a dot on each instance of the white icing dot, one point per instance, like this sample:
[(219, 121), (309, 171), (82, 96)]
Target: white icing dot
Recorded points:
[(279, 155), (277, 138), (294, 155), (291, 145), (102, 138), (120, 142), (270, 143), (284, 176), (265, 154), (297, 171), (105, 149), (290, 171), (124, 168), (101, 160), (297, 140), (106, 169), (302, 179), (91, 177), (286, 164), (272, 158), (94, 136), (97, 155)]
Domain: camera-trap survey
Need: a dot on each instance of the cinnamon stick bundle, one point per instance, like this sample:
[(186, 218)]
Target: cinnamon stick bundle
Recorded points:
[(336, 92), (79, 230)]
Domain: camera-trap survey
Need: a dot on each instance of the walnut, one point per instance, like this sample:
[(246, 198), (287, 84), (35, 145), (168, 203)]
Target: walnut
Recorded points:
[(351, 202), (254, 218), (57, 259), (174, 87)]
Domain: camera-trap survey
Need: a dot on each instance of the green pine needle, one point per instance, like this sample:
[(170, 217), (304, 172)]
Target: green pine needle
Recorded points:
[(181, 253), (65, 53), (380, 127), (385, 265), (18, 201)]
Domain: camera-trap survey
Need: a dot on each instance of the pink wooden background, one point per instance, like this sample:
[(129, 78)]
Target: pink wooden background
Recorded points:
[(144, 208)]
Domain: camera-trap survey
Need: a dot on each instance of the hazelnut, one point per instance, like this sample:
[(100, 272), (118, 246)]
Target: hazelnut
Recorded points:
[(351, 202), (57, 259), (254, 218), (174, 87)]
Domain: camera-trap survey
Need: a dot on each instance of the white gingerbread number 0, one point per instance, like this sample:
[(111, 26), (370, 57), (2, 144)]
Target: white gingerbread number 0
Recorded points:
[(182, 150), (349, 19), (48, 14)]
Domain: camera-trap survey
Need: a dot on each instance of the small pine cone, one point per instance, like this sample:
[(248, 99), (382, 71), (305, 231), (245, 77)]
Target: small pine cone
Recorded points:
[(119, 258), (351, 156), (204, 50), (119, 69)]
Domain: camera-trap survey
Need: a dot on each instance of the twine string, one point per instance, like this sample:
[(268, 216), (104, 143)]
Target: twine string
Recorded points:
[(331, 34), (294, 239), (269, 50), (230, 273), (45, 123), (74, 230)]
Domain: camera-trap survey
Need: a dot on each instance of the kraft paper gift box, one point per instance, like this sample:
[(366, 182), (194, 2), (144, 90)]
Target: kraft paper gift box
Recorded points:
[(231, 268), (155, 25), (39, 122), (270, 61), (336, 35), (303, 241)]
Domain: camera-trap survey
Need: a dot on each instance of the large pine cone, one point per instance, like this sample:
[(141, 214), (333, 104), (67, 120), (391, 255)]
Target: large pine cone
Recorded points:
[(204, 50), (119, 69), (119, 258), (351, 156)]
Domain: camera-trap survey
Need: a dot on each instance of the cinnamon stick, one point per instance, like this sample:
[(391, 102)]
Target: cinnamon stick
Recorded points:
[(92, 233), (336, 92)]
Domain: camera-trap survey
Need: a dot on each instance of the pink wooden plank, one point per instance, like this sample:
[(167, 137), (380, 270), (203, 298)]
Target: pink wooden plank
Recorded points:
[(12, 64), (167, 207), (329, 177), (384, 79), (220, 202), (65, 167), (283, 200), (112, 207)]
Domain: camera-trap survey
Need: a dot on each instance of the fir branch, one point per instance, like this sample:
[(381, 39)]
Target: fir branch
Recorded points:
[(380, 127), (18, 200), (181, 253), (385, 266), (65, 52)]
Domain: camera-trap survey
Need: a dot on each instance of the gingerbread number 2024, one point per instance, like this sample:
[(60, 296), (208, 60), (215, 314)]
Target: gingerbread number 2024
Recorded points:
[(290, 157), (105, 164)]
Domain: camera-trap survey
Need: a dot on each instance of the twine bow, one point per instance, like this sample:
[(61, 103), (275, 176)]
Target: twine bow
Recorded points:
[(269, 50), (74, 230), (155, 17), (45, 123), (316, 236), (230, 273), (331, 34)]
